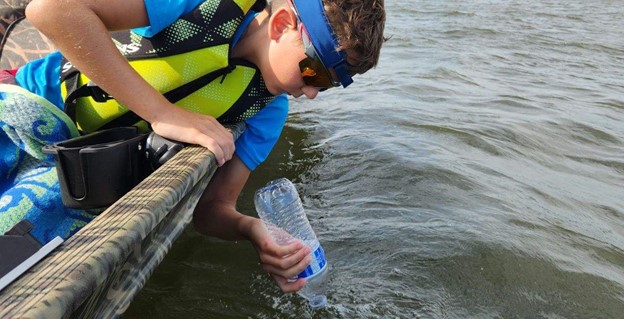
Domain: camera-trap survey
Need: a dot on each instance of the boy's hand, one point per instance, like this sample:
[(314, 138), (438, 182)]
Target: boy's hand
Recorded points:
[(281, 262), (186, 126)]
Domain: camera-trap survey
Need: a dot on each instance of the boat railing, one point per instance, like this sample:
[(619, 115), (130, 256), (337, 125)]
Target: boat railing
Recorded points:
[(96, 272)]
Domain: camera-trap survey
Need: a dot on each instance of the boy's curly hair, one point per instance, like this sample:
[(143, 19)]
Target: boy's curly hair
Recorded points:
[(359, 28)]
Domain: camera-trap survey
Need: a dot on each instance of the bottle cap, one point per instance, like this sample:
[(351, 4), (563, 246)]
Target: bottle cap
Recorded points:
[(318, 301)]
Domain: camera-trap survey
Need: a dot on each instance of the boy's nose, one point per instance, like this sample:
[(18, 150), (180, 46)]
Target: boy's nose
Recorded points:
[(309, 91)]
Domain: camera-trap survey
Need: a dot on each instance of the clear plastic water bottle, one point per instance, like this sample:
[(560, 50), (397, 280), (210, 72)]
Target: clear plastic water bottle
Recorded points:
[(280, 209)]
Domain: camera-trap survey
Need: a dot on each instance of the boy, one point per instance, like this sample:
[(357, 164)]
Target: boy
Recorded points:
[(298, 47)]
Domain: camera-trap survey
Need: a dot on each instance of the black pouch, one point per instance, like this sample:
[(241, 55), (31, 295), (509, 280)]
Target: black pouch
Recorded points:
[(17, 245), (97, 169)]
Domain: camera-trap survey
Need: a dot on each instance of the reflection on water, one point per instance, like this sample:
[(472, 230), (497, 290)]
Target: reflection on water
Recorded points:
[(477, 173)]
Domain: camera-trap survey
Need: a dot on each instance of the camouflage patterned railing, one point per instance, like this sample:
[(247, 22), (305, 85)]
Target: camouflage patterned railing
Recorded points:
[(97, 272)]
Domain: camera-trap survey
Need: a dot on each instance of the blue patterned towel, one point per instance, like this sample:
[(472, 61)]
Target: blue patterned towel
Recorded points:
[(29, 186)]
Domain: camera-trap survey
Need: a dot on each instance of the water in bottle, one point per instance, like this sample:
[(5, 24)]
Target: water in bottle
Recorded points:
[(280, 209)]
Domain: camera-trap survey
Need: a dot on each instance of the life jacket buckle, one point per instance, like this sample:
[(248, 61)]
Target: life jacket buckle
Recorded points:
[(97, 93)]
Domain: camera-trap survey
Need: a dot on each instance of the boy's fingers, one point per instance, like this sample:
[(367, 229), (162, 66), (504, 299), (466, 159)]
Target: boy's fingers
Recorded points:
[(289, 261), (221, 145), (269, 246), (214, 147), (295, 268), (285, 250)]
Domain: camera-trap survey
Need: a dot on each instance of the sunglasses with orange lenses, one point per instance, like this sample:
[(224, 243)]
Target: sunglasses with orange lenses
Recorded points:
[(313, 71)]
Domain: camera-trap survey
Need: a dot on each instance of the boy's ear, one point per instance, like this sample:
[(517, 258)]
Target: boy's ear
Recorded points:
[(281, 21)]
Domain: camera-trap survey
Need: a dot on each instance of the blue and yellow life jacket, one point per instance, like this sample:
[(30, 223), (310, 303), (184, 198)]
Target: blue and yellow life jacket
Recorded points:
[(188, 62)]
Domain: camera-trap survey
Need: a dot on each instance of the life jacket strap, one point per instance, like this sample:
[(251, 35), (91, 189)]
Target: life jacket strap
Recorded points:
[(86, 90)]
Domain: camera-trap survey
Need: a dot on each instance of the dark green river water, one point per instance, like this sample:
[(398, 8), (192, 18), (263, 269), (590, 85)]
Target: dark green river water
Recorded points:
[(478, 172)]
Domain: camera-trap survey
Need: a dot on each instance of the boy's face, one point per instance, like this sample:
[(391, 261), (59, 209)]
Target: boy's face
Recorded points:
[(294, 64)]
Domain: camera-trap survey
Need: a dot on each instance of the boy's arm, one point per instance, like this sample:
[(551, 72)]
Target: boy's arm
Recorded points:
[(80, 30), (216, 215)]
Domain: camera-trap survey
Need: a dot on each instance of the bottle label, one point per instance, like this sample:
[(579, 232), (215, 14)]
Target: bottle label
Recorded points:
[(318, 263)]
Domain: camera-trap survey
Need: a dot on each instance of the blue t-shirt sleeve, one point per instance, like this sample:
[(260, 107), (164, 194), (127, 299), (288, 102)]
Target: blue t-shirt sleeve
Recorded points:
[(162, 13), (262, 132)]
